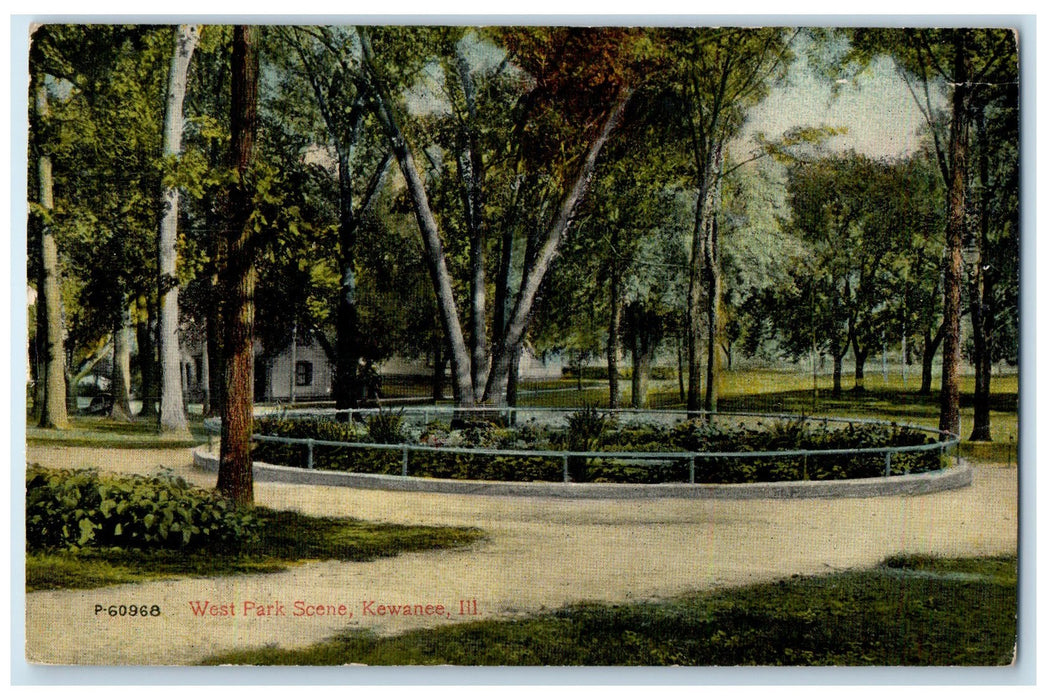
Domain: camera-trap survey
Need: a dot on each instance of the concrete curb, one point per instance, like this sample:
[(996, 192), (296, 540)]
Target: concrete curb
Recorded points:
[(905, 485)]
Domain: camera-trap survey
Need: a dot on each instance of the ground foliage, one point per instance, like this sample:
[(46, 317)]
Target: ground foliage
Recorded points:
[(590, 430), (86, 530), (70, 509), (910, 611)]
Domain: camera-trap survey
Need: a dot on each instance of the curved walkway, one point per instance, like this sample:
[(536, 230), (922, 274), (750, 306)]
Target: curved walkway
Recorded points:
[(539, 554)]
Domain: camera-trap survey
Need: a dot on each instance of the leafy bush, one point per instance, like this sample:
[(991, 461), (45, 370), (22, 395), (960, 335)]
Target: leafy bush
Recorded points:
[(590, 429), (386, 427), (80, 508), (585, 432)]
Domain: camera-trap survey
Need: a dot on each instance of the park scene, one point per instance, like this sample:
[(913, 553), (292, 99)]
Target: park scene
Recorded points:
[(522, 346)]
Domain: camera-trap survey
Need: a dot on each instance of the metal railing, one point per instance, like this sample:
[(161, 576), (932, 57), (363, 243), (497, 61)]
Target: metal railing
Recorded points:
[(945, 441)]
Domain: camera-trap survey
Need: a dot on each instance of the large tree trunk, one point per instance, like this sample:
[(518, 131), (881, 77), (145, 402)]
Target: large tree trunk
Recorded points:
[(235, 475), (49, 301), (172, 407), (949, 419), (121, 377)]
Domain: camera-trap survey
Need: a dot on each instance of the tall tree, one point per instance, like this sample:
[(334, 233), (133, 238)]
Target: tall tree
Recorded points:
[(235, 472), (328, 60), (49, 309), (599, 57), (172, 406), (994, 282), (713, 77), (958, 61)]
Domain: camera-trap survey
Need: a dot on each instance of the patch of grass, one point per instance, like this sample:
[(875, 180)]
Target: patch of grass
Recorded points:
[(789, 391), (880, 616), (96, 431), (286, 538)]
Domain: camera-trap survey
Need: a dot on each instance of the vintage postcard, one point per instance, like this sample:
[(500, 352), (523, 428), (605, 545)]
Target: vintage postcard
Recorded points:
[(522, 346)]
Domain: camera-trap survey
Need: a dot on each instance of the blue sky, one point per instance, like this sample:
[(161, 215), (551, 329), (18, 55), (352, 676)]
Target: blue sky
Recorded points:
[(876, 108)]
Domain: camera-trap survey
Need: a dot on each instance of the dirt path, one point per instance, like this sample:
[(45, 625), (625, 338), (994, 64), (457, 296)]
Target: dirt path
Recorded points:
[(540, 554)]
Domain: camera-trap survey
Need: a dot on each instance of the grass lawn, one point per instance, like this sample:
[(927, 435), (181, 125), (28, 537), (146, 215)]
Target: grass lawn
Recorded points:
[(915, 611), (287, 538), (99, 431), (789, 392)]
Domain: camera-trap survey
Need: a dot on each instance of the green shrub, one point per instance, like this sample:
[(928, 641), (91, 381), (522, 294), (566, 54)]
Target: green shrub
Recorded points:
[(80, 508), (585, 432), (590, 429), (386, 427)]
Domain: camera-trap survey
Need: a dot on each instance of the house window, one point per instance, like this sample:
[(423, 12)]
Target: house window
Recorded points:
[(303, 374)]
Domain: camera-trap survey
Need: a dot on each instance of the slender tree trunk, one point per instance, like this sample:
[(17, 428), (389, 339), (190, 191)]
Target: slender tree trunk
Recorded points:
[(930, 349), (121, 379), (235, 474), (949, 419), (860, 357), (215, 351), (837, 374), (679, 367), (49, 302), (694, 287), (502, 298), (439, 368), (347, 366), (614, 330), (470, 165), (146, 357), (37, 356), (982, 302), (205, 374), (434, 253), (641, 352), (714, 321), (347, 389), (513, 381), (172, 407), (521, 315)]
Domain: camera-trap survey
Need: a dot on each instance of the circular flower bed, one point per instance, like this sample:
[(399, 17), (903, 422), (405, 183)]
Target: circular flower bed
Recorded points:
[(596, 446)]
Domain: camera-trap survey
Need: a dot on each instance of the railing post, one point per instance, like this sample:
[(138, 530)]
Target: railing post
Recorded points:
[(565, 474), (309, 457), (403, 464), (691, 460), (887, 464)]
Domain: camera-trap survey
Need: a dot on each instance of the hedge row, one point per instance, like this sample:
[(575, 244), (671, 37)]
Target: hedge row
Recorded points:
[(591, 430)]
